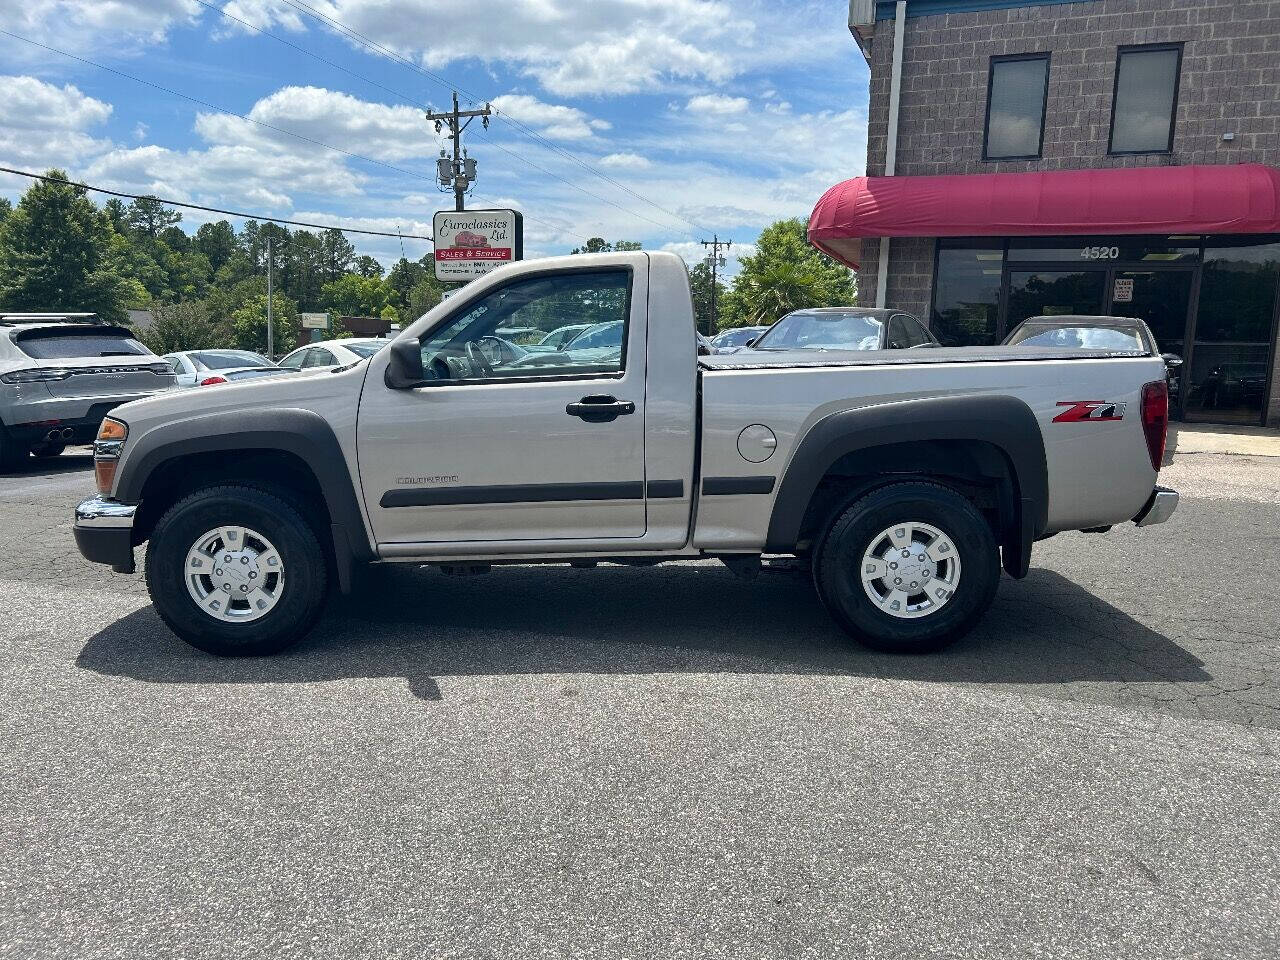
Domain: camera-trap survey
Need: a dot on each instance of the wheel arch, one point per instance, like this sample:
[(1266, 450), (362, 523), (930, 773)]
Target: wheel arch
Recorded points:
[(993, 440), (291, 449)]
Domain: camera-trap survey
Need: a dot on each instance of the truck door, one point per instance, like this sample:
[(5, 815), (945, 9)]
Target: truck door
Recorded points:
[(514, 441)]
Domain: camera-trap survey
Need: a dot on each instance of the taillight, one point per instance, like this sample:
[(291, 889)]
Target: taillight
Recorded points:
[(106, 453), (1155, 419), (38, 375), (210, 381)]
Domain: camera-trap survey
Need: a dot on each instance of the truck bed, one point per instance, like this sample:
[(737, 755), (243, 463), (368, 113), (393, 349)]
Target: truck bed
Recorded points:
[(788, 359)]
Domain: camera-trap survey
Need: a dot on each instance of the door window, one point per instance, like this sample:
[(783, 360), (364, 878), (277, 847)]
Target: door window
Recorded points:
[(904, 333), (319, 357), (463, 349), (294, 360)]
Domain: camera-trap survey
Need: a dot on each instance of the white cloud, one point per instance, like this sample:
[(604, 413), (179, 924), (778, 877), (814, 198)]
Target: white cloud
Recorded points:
[(385, 133), (624, 161), (552, 120), (121, 26), (598, 48), (45, 125), (716, 103)]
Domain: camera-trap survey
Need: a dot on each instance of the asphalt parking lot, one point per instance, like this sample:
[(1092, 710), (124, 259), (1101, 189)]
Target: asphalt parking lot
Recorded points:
[(659, 762)]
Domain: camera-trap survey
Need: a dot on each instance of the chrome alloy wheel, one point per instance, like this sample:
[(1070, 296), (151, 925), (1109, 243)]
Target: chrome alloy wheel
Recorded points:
[(234, 574), (910, 570)]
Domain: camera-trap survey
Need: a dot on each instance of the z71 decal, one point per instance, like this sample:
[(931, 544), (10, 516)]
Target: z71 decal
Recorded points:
[(1090, 410)]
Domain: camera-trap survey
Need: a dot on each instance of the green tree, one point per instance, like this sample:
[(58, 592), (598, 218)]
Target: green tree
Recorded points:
[(217, 241), (249, 324), (784, 274), (404, 276), (367, 266), (56, 253), (422, 298), (337, 252), (149, 217), (182, 326), (355, 296), (700, 287), (6, 208)]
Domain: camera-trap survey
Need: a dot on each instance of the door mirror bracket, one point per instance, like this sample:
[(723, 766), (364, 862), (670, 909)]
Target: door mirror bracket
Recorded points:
[(404, 366)]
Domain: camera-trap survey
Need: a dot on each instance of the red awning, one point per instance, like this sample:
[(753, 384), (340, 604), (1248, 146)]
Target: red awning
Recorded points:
[(1244, 198)]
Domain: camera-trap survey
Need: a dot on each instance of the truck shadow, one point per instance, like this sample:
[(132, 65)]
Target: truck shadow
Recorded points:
[(417, 624)]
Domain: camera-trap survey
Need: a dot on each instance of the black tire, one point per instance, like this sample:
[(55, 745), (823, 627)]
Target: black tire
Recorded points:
[(47, 451), (12, 455), (304, 588), (838, 560)]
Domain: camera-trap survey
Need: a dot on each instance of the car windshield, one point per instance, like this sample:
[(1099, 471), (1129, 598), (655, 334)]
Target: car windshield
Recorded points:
[(364, 350), (63, 346), (736, 338), (823, 330), (1092, 338), (226, 359)]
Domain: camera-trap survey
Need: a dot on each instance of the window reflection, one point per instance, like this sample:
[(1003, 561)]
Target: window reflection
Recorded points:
[(966, 304)]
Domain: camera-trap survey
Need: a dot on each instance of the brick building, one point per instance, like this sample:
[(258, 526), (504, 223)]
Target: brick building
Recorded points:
[(1009, 87)]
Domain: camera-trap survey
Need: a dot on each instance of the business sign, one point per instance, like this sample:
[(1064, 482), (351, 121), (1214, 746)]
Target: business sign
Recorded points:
[(314, 321), (470, 243), (1124, 290)]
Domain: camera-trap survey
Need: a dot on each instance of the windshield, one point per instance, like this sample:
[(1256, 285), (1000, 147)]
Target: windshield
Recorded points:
[(736, 338), (63, 346), (1092, 338), (823, 330), (363, 350), (225, 359)]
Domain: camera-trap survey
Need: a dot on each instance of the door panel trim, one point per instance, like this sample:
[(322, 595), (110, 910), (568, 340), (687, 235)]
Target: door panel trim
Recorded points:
[(514, 493), (728, 486)]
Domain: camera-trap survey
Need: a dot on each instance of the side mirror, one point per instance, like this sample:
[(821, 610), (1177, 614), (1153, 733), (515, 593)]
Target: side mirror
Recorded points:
[(1171, 360), (752, 341), (404, 368)]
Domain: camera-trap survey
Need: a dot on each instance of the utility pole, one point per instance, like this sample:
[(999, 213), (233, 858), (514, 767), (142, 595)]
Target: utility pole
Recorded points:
[(715, 260), (460, 172), (271, 340)]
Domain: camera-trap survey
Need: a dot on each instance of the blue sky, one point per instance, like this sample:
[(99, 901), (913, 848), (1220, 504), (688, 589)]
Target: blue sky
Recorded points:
[(656, 120)]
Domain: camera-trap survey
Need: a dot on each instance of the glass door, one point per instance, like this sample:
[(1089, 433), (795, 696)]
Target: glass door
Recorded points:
[(1161, 297), (1053, 292), (1230, 359)]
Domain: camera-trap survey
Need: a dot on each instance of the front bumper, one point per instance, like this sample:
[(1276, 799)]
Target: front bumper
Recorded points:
[(1159, 508), (104, 532)]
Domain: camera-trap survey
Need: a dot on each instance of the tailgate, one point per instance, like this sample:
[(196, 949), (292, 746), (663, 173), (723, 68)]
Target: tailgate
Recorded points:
[(93, 361)]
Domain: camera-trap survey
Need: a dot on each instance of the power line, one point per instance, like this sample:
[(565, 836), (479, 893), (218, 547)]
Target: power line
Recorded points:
[(205, 103), (228, 213), (529, 132)]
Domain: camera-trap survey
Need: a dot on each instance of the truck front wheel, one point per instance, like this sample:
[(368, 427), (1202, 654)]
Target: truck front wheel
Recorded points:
[(908, 568), (236, 571)]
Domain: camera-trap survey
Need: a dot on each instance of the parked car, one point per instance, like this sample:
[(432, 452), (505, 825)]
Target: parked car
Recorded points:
[(735, 339), (191, 367), (327, 354), (60, 374), (213, 378), (905, 481), (845, 328), (557, 339), (1097, 333)]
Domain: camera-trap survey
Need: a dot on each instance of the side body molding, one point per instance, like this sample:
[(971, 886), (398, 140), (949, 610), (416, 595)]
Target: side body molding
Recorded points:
[(303, 433), (1004, 422)]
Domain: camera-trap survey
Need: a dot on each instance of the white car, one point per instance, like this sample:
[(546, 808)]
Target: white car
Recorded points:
[(193, 367), (328, 354)]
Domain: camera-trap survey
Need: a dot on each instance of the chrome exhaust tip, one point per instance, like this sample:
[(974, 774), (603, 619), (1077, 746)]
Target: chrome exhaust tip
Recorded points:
[(68, 433), (53, 435)]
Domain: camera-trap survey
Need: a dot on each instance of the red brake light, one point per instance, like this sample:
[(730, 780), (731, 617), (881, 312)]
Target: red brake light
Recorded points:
[(1155, 419), (210, 381)]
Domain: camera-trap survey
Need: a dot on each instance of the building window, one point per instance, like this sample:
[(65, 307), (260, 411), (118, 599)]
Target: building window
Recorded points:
[(966, 293), (1017, 92), (1146, 99)]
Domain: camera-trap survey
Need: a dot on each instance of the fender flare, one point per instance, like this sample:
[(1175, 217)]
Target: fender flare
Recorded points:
[(1006, 423), (303, 433)]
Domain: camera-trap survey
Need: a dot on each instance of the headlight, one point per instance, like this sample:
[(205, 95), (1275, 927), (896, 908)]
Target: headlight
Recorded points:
[(106, 452)]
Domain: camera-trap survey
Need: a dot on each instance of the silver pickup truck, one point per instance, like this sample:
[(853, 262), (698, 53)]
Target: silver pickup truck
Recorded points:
[(906, 479)]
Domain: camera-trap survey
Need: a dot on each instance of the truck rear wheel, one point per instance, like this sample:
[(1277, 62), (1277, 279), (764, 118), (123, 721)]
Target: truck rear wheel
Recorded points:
[(236, 571), (909, 568)]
